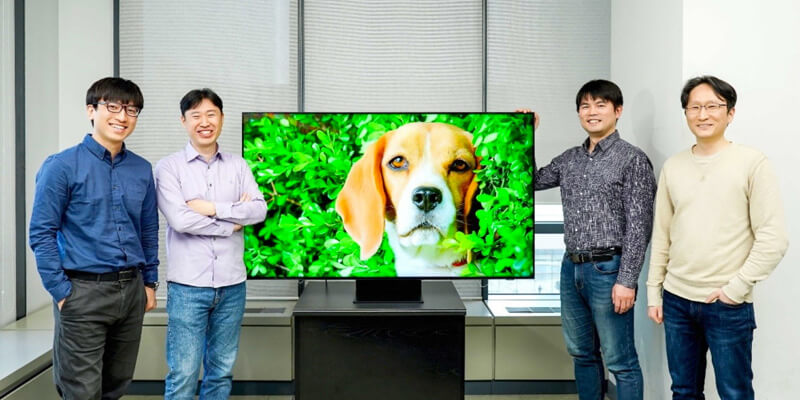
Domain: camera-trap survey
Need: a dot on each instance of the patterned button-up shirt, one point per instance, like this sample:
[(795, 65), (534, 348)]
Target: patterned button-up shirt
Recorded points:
[(608, 199)]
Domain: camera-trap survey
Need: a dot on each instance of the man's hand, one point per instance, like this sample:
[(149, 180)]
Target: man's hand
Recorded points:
[(202, 207), (718, 294), (622, 298), (151, 298), (535, 116), (237, 227), (656, 313), (61, 303)]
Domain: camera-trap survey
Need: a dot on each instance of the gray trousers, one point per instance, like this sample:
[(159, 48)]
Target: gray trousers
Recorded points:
[(96, 338)]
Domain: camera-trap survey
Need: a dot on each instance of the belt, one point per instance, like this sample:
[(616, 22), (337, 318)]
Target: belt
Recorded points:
[(598, 254), (122, 275)]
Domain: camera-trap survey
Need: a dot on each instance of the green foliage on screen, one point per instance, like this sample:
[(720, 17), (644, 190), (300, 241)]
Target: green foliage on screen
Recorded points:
[(301, 161)]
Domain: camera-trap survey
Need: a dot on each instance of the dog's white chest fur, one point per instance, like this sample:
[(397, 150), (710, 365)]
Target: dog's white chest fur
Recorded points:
[(423, 260)]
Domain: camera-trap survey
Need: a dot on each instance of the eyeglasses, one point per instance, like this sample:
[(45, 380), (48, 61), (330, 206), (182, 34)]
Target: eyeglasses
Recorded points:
[(132, 111), (711, 108)]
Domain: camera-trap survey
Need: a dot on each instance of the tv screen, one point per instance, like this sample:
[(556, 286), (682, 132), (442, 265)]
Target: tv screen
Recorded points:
[(376, 195)]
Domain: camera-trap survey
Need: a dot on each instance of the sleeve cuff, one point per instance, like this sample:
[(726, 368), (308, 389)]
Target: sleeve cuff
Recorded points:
[(226, 228), (61, 291), (223, 209), (627, 276), (626, 283), (737, 289), (149, 274), (654, 296)]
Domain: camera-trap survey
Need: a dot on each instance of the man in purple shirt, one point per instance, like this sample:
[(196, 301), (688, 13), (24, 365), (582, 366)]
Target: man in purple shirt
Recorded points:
[(206, 196)]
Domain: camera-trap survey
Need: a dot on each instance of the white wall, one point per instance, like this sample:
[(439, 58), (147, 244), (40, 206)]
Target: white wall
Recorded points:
[(7, 212), (754, 46), (569, 41), (86, 54), (656, 47), (646, 59), (68, 45), (41, 113)]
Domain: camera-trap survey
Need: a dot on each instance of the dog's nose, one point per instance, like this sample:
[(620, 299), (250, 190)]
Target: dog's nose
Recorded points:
[(426, 198)]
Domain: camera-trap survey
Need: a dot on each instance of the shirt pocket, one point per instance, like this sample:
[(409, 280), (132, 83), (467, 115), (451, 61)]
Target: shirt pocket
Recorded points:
[(134, 197), (88, 203), (609, 180), (576, 178), (231, 188), (228, 188)]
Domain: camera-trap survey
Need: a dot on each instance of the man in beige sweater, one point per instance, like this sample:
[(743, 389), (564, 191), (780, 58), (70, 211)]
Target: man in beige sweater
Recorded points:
[(719, 229)]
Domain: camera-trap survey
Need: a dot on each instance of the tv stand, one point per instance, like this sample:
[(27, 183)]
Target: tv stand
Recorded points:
[(378, 350), (388, 291)]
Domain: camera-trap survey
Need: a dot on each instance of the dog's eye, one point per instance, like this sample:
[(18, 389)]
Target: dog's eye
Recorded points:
[(398, 163), (459, 166)]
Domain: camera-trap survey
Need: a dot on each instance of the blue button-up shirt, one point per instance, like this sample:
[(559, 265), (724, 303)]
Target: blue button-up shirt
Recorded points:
[(94, 214)]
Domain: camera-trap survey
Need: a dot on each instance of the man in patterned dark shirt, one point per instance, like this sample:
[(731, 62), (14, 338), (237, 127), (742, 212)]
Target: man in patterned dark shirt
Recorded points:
[(607, 192)]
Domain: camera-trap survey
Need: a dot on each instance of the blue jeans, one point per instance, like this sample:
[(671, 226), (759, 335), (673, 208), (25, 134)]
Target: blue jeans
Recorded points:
[(691, 329), (203, 324), (591, 325)]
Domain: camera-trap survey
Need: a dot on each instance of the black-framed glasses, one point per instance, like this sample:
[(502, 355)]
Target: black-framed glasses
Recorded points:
[(132, 111), (711, 108)]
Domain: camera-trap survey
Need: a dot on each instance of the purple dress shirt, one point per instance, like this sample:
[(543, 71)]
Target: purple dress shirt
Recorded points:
[(205, 251)]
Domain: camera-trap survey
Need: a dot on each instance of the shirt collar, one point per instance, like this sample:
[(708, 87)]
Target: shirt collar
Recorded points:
[(98, 150), (604, 144), (192, 154)]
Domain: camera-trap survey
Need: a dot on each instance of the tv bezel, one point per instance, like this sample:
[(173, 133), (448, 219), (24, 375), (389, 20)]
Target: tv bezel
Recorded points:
[(404, 278)]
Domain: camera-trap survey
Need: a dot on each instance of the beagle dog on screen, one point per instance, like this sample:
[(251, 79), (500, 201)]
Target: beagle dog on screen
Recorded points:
[(417, 184)]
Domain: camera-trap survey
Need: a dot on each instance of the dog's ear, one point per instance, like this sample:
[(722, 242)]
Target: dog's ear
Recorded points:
[(362, 201), (469, 196)]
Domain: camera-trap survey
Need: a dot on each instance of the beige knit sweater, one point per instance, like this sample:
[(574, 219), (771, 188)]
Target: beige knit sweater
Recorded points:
[(719, 223)]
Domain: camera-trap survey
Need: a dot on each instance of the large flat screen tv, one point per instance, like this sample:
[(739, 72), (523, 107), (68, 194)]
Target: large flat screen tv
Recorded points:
[(387, 195)]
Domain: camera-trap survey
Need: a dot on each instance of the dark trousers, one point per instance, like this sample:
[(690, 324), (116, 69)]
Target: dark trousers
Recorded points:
[(96, 338), (692, 329)]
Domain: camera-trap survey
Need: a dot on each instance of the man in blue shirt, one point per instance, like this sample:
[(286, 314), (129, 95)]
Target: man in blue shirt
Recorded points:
[(94, 232)]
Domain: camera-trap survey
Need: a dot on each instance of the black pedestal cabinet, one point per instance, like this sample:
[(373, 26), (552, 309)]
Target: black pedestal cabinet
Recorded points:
[(378, 351)]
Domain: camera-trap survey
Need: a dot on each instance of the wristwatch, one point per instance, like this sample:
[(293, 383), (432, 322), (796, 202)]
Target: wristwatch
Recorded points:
[(152, 285)]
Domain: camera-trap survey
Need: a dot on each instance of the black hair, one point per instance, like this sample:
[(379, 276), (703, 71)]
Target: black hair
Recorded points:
[(599, 89), (721, 88), (196, 96), (116, 90)]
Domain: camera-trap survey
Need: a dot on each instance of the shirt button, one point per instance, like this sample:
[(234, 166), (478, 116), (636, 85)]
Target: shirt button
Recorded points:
[(209, 185)]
